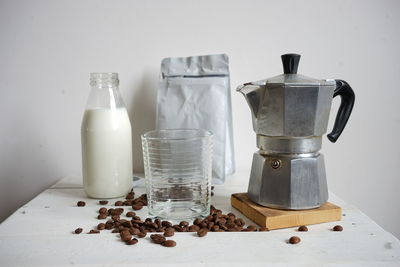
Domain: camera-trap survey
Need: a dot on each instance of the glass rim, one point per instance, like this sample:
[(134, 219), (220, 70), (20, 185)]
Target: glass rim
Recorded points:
[(203, 134)]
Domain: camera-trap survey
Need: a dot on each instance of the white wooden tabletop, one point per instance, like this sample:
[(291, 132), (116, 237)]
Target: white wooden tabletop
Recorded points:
[(41, 234)]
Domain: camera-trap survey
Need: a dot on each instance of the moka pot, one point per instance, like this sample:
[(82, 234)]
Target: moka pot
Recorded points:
[(290, 114)]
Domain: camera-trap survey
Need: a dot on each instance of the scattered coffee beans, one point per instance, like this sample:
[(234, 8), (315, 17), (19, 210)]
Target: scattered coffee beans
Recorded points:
[(338, 228), (157, 238), (126, 236), (303, 228), (169, 243), (202, 232), (102, 216), (294, 240), (78, 230), (137, 206), (194, 228), (263, 229), (119, 203), (141, 234), (169, 232), (101, 226), (133, 241), (81, 203), (103, 210), (130, 195), (132, 225), (183, 224)]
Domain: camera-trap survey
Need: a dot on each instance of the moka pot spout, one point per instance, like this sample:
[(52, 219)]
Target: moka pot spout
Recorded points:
[(253, 94)]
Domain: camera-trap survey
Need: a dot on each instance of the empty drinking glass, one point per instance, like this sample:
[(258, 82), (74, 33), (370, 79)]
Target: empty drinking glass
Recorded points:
[(178, 165)]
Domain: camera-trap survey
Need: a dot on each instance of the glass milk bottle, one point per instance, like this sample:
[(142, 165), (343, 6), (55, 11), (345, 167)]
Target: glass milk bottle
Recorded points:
[(106, 140)]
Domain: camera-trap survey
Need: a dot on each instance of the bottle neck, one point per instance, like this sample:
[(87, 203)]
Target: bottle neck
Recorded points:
[(104, 93), (104, 80)]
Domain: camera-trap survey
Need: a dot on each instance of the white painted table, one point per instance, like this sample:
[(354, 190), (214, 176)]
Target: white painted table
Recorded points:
[(40, 234)]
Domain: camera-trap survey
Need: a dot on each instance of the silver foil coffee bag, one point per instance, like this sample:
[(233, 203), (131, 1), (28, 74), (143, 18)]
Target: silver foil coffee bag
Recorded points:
[(194, 92)]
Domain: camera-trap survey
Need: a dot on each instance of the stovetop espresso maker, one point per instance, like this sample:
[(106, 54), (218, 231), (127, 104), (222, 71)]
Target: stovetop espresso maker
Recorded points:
[(290, 114)]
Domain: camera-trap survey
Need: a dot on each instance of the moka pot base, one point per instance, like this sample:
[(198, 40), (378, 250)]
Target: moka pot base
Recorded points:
[(278, 219), (288, 173)]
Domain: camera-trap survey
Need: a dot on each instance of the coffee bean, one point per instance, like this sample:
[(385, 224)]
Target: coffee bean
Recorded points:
[(157, 238), (103, 202), (230, 214), (130, 195), (115, 218), (166, 223), (252, 228), (338, 228), (194, 228), (134, 231), (263, 229), (223, 227), (137, 218), (101, 226), (294, 240), (303, 228), (103, 210), (144, 231), (115, 231), (94, 232), (127, 202), (137, 206), (183, 224), (212, 187), (177, 228), (215, 228), (78, 230), (222, 221), (197, 221), (102, 216), (202, 232), (203, 225), (232, 225), (118, 211), (169, 243), (126, 236), (81, 203), (212, 194), (119, 203), (141, 234), (109, 226), (132, 241), (169, 232), (130, 214), (123, 230)]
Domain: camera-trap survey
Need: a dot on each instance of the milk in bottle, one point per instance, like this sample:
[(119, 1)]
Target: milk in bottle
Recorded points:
[(106, 140)]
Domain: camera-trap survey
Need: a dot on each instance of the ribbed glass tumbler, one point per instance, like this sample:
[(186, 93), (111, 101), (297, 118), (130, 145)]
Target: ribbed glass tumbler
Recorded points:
[(178, 165)]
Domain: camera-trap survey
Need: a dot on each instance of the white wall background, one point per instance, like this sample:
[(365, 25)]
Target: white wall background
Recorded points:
[(48, 49)]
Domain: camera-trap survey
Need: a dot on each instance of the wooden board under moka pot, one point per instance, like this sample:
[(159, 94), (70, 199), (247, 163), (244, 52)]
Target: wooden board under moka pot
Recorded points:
[(277, 219)]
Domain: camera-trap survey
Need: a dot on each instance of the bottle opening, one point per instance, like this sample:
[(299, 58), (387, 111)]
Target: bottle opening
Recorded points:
[(105, 79)]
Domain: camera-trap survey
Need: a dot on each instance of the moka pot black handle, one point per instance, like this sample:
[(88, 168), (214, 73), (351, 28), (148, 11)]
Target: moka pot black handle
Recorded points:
[(347, 97)]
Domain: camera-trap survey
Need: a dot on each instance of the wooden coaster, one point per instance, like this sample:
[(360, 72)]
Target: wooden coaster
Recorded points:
[(276, 219)]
